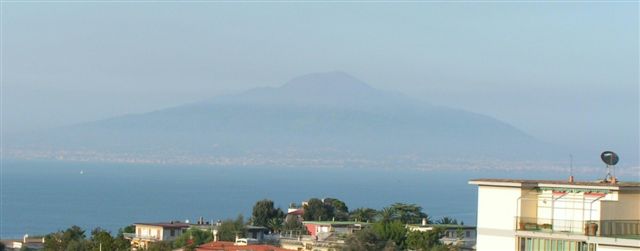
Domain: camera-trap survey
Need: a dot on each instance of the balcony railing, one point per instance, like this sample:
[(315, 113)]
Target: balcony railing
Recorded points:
[(141, 237), (626, 229)]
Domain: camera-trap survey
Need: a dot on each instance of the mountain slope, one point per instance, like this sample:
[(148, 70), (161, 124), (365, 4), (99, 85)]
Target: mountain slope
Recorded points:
[(317, 115)]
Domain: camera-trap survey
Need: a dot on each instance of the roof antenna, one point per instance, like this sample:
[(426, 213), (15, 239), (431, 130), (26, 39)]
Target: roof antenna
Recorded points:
[(571, 179)]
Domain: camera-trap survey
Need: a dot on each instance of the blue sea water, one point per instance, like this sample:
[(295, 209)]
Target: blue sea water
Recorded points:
[(39, 197)]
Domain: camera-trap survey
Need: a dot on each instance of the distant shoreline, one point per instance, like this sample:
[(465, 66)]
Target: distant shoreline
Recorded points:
[(259, 160)]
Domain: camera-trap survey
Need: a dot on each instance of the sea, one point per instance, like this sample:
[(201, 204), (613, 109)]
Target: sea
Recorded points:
[(40, 197)]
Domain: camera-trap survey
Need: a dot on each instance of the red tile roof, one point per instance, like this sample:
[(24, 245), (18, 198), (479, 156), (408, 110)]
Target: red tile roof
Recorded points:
[(228, 246), (297, 212)]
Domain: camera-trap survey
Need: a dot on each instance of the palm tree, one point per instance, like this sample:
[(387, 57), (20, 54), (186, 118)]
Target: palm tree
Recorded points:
[(387, 214), (363, 214), (447, 221), (275, 224)]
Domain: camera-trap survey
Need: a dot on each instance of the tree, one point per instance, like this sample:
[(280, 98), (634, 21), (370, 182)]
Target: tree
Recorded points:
[(316, 210), (387, 214), (73, 233), (78, 245), (264, 212), (192, 238), (160, 246), (119, 242), (339, 209), (293, 226), (102, 240), (409, 213), (459, 233), (69, 239), (394, 231), (447, 221), (228, 229), (129, 229), (427, 240), (363, 215), (365, 240), (275, 224)]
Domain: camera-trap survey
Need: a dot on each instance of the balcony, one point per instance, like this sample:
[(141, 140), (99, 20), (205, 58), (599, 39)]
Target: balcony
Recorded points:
[(623, 229), (132, 236)]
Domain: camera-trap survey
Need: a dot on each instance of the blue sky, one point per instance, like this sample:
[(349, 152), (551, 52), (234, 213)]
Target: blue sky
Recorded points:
[(566, 73)]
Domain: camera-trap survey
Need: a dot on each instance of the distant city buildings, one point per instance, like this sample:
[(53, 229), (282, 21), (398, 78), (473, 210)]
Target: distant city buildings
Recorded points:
[(531, 215)]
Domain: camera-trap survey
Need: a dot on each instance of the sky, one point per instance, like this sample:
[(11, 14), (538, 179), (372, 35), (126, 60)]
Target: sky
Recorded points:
[(566, 73)]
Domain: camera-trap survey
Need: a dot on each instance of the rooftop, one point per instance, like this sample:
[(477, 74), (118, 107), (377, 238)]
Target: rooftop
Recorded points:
[(229, 246), (334, 222), (521, 182), (165, 224), (448, 226)]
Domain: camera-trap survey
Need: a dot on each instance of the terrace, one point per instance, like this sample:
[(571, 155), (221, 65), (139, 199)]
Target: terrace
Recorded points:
[(622, 229), (131, 236)]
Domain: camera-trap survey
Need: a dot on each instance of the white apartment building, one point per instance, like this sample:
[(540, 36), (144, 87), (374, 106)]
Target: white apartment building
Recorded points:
[(531, 215)]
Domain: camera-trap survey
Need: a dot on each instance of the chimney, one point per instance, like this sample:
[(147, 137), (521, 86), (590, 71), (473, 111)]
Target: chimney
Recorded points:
[(571, 179), (424, 221)]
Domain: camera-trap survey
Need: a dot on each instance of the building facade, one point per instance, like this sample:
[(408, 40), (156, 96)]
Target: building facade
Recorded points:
[(153, 232), (528, 215)]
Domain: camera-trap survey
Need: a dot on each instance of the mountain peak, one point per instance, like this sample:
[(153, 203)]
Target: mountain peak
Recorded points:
[(334, 88), (335, 81)]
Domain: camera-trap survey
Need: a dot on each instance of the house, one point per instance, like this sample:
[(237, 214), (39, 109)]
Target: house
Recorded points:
[(458, 235), (557, 215), (231, 246), (294, 214), (254, 234), (152, 232), (323, 235), (323, 229), (31, 243)]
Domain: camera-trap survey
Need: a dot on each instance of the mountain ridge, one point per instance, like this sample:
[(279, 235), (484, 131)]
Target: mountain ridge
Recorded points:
[(323, 114)]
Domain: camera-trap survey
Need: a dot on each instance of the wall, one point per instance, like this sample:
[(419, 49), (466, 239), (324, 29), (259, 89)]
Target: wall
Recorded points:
[(167, 234), (497, 210), (149, 231), (626, 208)]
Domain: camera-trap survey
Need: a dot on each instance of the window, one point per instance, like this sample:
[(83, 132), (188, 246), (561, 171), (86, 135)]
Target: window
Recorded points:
[(173, 232), (468, 233), (540, 244)]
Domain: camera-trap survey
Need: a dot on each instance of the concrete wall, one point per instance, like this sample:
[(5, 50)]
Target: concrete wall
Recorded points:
[(167, 234), (497, 211), (626, 208)]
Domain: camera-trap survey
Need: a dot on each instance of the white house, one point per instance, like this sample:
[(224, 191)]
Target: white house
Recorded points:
[(152, 232)]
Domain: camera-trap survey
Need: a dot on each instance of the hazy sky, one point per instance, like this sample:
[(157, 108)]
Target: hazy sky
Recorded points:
[(566, 73)]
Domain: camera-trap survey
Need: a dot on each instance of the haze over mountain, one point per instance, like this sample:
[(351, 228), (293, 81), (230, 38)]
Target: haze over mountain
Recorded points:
[(327, 115)]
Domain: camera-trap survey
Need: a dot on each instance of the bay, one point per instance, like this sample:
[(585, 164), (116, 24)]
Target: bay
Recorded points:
[(40, 197)]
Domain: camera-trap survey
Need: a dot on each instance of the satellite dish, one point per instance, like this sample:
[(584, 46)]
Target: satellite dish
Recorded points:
[(610, 158)]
